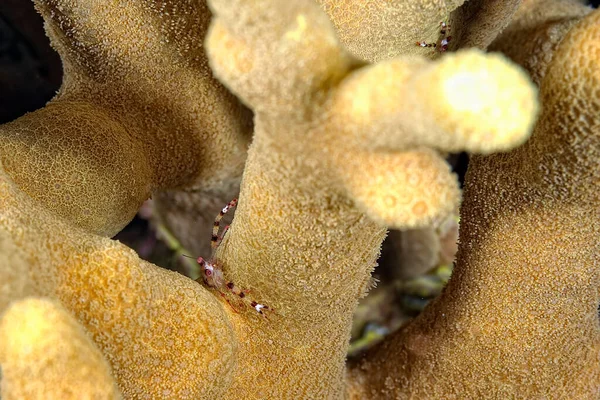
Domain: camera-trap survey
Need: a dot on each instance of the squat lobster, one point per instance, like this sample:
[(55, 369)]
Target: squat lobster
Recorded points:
[(212, 270)]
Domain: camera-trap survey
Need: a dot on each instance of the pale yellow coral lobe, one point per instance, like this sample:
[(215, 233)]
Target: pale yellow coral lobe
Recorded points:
[(475, 102), (138, 111), (94, 175), (304, 71), (45, 354)]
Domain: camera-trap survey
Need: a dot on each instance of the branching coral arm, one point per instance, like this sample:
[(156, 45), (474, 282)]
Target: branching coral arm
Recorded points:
[(45, 354), (387, 118), (467, 101), (446, 105), (303, 241), (277, 64)]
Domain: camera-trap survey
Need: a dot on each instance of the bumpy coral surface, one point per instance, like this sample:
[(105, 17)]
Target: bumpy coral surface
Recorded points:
[(46, 355), (138, 111), (341, 150), (370, 30), (377, 30)]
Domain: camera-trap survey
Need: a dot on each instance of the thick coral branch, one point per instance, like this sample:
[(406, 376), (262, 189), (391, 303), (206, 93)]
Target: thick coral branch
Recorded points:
[(400, 190), (302, 248), (314, 199), (277, 57), (466, 101)]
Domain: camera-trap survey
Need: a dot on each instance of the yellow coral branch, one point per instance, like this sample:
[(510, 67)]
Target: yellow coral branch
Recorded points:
[(276, 64), (314, 200), (466, 101)]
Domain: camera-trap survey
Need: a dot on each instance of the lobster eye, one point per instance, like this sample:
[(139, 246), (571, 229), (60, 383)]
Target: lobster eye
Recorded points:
[(208, 272)]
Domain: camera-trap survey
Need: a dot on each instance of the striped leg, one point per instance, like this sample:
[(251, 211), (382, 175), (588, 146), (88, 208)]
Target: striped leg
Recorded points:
[(216, 239), (442, 44), (444, 28)]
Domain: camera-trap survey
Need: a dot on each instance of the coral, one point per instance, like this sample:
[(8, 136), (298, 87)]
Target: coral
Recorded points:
[(138, 111), (45, 354), (535, 32), (519, 316), (14, 274), (341, 151), (372, 30), (377, 30)]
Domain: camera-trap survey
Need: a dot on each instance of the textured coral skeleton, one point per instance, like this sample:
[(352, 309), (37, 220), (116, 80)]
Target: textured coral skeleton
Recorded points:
[(350, 126)]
